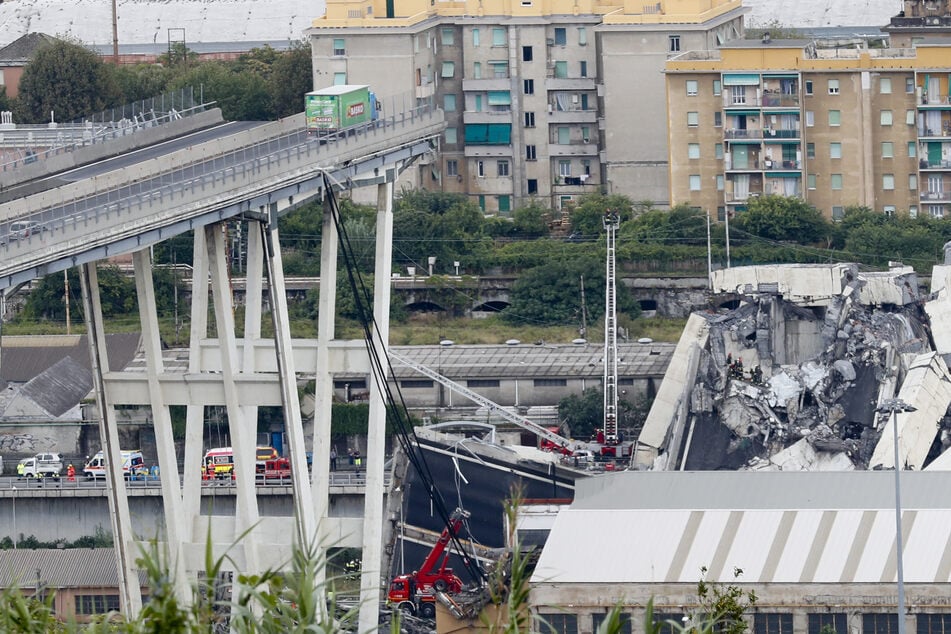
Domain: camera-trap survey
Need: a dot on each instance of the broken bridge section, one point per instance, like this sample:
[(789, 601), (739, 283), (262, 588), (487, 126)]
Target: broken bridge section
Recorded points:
[(791, 379)]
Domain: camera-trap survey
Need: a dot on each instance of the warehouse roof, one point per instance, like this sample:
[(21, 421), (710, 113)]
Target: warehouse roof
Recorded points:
[(59, 568), (779, 527)]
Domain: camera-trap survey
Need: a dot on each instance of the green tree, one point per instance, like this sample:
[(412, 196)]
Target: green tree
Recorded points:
[(783, 218), (241, 97), (46, 301), (68, 80), (531, 221), (584, 413), (445, 226), (725, 604), (141, 81), (588, 216), (291, 76)]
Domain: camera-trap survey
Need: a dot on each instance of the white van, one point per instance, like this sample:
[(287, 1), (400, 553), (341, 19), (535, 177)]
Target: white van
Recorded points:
[(22, 229), (133, 465)]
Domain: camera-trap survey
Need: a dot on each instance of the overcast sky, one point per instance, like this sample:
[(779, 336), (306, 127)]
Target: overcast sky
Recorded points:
[(149, 22)]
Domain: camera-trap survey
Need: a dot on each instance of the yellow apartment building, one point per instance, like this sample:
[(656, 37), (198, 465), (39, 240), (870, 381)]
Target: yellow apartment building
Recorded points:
[(836, 127), (545, 100)]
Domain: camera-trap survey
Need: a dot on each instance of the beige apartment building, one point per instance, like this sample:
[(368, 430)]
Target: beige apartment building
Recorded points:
[(835, 127), (545, 100)]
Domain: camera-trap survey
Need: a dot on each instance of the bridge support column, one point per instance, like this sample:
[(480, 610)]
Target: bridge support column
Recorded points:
[(162, 424), (130, 594), (370, 576), (243, 432), (323, 375)]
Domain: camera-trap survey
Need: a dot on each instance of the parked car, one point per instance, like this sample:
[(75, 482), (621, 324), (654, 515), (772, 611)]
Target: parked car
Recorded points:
[(22, 229)]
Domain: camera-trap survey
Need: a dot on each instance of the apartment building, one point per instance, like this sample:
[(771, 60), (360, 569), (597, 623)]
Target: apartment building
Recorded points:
[(835, 127), (545, 100)]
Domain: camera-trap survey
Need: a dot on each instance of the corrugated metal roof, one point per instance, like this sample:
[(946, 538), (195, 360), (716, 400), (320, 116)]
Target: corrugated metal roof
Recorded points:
[(802, 527), (530, 361), (59, 568), (60, 387), (25, 358)]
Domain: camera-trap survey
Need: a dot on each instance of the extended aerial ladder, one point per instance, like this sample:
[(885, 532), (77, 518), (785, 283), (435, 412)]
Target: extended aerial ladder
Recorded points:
[(564, 444), (610, 441)]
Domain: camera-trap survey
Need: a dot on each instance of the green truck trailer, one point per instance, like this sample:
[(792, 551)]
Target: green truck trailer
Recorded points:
[(337, 108)]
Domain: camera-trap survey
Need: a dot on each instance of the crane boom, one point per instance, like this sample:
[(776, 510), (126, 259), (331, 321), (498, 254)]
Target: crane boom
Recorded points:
[(611, 222), (524, 423)]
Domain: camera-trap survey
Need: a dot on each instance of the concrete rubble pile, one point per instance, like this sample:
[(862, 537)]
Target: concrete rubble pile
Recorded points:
[(793, 374)]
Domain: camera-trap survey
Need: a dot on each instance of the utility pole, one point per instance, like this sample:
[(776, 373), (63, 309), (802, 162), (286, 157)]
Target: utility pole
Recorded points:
[(584, 312), (115, 34), (66, 296)]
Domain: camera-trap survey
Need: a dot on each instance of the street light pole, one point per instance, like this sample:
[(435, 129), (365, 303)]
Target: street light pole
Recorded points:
[(895, 405), (14, 518)]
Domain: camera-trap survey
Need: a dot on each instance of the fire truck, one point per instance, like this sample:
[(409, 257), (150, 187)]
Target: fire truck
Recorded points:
[(416, 592)]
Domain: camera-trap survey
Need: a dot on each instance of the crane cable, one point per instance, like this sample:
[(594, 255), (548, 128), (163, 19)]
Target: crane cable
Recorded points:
[(395, 403)]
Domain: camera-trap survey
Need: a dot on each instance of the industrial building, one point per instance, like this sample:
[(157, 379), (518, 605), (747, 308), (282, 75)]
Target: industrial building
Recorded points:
[(545, 100), (818, 549)]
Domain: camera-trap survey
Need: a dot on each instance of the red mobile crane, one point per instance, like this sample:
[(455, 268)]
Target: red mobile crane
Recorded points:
[(416, 592)]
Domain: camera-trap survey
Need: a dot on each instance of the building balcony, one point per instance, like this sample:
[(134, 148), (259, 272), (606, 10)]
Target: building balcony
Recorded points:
[(574, 148), (750, 101), (425, 91), (573, 116), (773, 100), (935, 133), (736, 133), (772, 133), (490, 116), (935, 101), (483, 85), (488, 151), (936, 197), (569, 83), (919, 21), (925, 164), (565, 185)]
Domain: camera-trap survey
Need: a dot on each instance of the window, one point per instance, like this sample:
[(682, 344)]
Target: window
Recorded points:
[(911, 149), (528, 86), (482, 202), (717, 87), (561, 70), (482, 383), (909, 85), (564, 168), (561, 37), (885, 86), (835, 621), (586, 133), (913, 182), (913, 211), (583, 68), (586, 167), (529, 119), (550, 383), (340, 79), (693, 150), (838, 212), (772, 623), (691, 87), (564, 135), (836, 181), (582, 36), (500, 69), (475, 37), (448, 69), (738, 94), (97, 603), (695, 182), (719, 182), (625, 618), (530, 153), (662, 620), (810, 118), (503, 167), (886, 117), (504, 203), (480, 168), (340, 48), (560, 622), (477, 70), (936, 211), (527, 53), (416, 383), (833, 86), (447, 37), (811, 181), (810, 150), (718, 150), (879, 624), (934, 623), (449, 103), (808, 86), (452, 167), (452, 135), (477, 103), (888, 149), (693, 119), (910, 117), (673, 43), (888, 182), (500, 100), (835, 118), (532, 189), (835, 150), (717, 119), (498, 37)]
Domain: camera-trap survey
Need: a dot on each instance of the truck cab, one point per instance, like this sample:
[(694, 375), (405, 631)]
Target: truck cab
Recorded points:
[(42, 465)]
